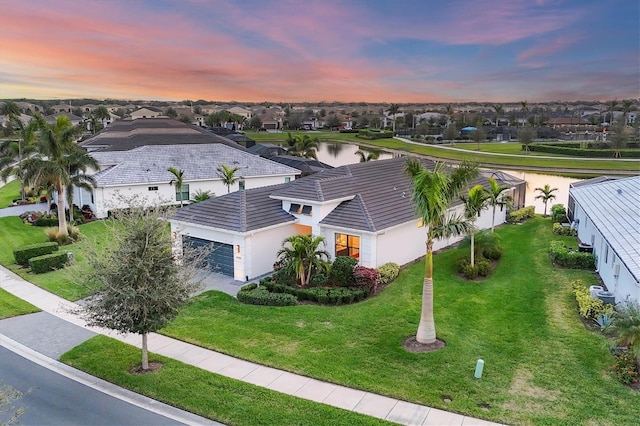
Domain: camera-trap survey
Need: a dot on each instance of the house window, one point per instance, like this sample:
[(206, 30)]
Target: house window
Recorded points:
[(153, 188), (606, 254), (183, 194), (348, 245), (241, 184), (294, 208), (306, 210), (287, 179)]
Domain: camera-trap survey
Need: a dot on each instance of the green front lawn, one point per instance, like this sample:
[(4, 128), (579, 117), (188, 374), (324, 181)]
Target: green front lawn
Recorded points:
[(13, 234), (11, 306), (210, 395), (541, 365), (8, 193)]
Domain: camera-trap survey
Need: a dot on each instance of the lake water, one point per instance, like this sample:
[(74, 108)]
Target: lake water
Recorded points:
[(343, 154)]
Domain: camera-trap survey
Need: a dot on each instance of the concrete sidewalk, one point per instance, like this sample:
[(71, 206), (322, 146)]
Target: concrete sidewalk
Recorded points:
[(382, 407)]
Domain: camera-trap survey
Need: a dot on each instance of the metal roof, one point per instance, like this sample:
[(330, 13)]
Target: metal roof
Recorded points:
[(614, 208)]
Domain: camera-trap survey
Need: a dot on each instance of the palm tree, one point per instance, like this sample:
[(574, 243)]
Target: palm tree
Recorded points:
[(628, 105), (302, 254), (474, 202), (51, 165), (228, 175), (612, 105), (78, 162), (626, 323), (546, 195), (368, 155), (433, 194), (10, 150), (307, 147), (11, 110), (524, 110), (201, 195), (178, 181), (498, 109), (393, 110), (497, 197), (101, 113)]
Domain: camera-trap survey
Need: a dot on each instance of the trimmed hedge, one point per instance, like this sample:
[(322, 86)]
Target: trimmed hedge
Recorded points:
[(558, 229), (254, 295), (388, 272), (24, 253), (324, 295), (374, 134), (522, 214), (342, 271), (589, 307), (482, 267), (48, 262), (573, 259), (580, 152)]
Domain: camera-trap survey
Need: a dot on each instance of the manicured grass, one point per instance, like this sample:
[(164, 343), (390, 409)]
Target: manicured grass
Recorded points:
[(210, 395), (14, 233), (11, 306), (487, 159), (541, 365), (8, 193)]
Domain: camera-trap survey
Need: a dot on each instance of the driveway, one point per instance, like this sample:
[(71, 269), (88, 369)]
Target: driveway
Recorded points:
[(18, 210)]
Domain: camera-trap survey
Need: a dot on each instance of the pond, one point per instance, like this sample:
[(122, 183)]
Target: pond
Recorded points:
[(340, 154)]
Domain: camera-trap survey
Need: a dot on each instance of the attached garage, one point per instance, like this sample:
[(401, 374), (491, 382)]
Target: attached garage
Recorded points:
[(220, 259)]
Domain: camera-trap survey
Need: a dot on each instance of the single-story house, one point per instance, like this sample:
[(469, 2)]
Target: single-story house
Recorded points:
[(362, 210), (146, 112), (606, 215), (143, 172)]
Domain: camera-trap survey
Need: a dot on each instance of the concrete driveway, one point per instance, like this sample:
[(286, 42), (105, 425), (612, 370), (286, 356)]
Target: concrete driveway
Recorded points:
[(18, 210)]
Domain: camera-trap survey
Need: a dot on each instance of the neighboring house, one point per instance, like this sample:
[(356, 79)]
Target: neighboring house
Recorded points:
[(62, 108), (75, 120), (123, 135), (148, 112), (143, 172), (267, 150), (24, 118), (242, 112), (606, 214), (362, 210)]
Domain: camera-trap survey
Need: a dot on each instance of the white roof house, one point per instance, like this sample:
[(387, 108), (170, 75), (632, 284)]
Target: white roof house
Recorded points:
[(607, 215), (142, 171)]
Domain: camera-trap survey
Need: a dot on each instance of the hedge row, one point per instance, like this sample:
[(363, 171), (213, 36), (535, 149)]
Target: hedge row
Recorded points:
[(589, 307), (48, 262), (375, 134), (561, 255), (522, 214), (254, 295), (558, 229), (481, 267), (24, 253), (325, 295), (580, 152)]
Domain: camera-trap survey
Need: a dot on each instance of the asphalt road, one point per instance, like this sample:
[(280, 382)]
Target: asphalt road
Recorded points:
[(53, 399)]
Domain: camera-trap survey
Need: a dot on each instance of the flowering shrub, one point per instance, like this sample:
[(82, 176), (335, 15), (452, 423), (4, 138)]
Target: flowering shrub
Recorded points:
[(366, 278), (625, 368)]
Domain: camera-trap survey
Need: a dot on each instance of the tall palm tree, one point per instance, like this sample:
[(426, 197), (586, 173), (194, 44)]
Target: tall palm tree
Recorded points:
[(78, 162), (497, 197), (50, 166), (11, 110), (101, 113), (546, 195), (628, 105), (474, 202), (393, 110), (201, 195), (228, 175), (12, 152), (612, 105), (177, 181), (433, 194), (498, 109), (302, 253), (524, 109)]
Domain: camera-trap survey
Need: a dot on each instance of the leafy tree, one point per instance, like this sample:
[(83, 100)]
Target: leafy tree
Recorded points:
[(201, 195), (184, 118), (474, 202), (50, 166), (451, 133), (526, 135), (375, 122), (255, 122), (394, 109), (177, 181), (626, 324), (619, 137), (497, 197), (228, 175), (433, 194), (301, 254), (136, 282), (294, 122), (546, 195), (478, 135), (171, 113), (333, 121)]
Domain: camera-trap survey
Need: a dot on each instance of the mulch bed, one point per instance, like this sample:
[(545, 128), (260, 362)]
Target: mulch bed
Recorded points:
[(153, 367), (412, 345)]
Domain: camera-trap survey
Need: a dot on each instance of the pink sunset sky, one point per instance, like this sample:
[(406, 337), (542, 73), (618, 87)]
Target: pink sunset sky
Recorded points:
[(328, 50)]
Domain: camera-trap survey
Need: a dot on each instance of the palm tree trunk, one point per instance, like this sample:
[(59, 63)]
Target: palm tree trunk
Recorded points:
[(62, 217), (473, 235), (145, 352), (493, 218), (427, 327)]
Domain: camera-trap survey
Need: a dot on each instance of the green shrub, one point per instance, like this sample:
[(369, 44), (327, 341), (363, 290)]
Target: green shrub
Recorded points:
[(260, 296), (332, 295), (319, 280), (24, 253), (484, 267), (588, 306), (374, 134), (342, 271), (366, 278), (625, 369), (492, 253), (558, 213), (388, 272), (521, 215), (44, 221), (562, 256), (48, 262), (580, 152), (470, 272), (558, 229)]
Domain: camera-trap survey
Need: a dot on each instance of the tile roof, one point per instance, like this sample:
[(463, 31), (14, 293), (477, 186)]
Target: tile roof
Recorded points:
[(122, 135), (149, 164), (614, 208), (240, 211)]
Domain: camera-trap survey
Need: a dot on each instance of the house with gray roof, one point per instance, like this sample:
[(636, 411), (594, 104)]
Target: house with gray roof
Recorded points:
[(606, 214), (362, 210), (142, 172)]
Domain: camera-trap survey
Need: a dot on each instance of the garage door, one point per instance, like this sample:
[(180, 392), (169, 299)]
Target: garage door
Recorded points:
[(220, 258)]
